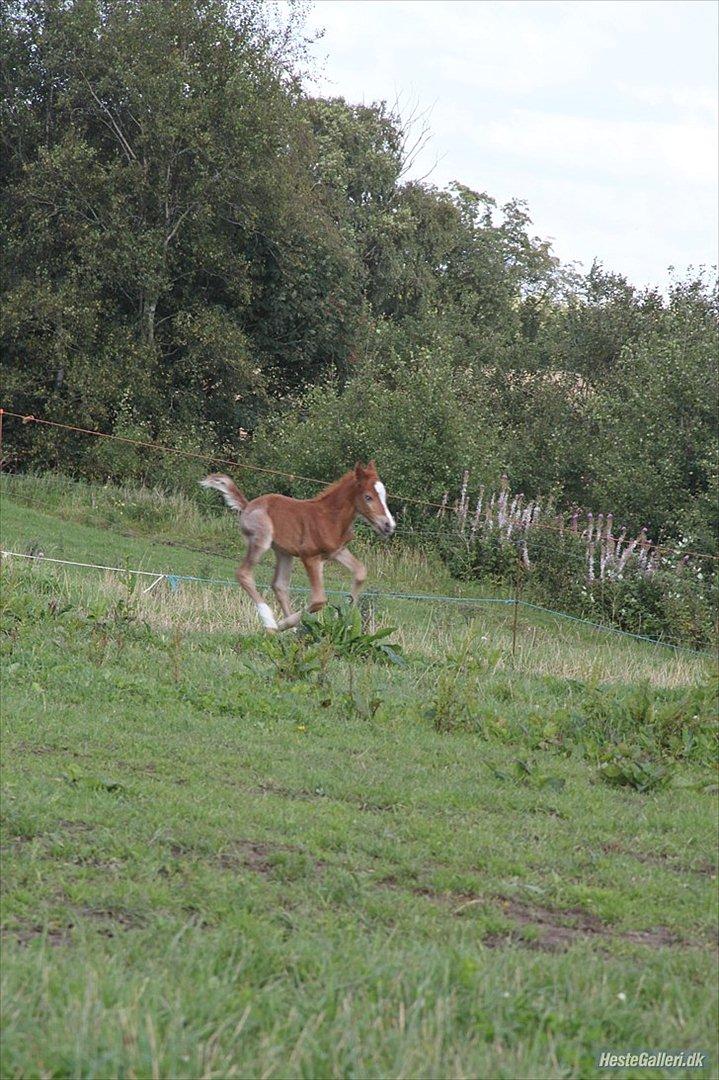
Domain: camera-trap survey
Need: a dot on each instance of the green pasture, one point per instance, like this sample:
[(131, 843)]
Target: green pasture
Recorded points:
[(223, 857)]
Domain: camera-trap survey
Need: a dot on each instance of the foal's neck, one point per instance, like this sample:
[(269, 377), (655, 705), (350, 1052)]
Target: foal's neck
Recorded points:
[(340, 498)]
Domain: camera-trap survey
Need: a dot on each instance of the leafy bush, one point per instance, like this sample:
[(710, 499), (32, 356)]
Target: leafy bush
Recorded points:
[(634, 735), (293, 658), (341, 629), (454, 703), (668, 725), (626, 766), (485, 557), (107, 459), (411, 414), (452, 706), (668, 604), (672, 603)]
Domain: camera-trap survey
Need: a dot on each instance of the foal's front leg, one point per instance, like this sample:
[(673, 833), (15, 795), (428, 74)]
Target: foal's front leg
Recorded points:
[(314, 568), (359, 574)]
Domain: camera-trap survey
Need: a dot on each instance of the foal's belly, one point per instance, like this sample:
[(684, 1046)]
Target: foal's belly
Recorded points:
[(299, 536), (305, 547), (306, 541)]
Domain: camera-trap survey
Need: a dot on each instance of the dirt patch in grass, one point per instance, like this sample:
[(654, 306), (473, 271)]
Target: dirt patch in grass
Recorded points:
[(661, 859), (552, 811), (26, 747), (560, 928), (15, 842), (537, 927), (268, 859), (255, 855), (113, 920), (702, 868), (24, 935), (96, 863), (249, 854), (62, 825), (305, 793), (74, 826)]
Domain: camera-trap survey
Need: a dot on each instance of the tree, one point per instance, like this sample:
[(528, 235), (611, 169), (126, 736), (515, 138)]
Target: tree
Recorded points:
[(164, 240)]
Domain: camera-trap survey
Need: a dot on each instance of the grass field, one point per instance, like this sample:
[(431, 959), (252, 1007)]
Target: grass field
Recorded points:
[(227, 858)]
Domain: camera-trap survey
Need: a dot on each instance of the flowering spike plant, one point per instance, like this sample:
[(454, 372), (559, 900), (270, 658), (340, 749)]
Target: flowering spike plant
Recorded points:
[(506, 516), (578, 564)]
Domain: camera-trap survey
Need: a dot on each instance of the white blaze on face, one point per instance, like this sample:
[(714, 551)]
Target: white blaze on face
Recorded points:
[(382, 496)]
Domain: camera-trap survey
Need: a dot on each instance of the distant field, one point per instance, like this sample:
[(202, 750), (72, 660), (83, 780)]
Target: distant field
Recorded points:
[(219, 862), (146, 530)]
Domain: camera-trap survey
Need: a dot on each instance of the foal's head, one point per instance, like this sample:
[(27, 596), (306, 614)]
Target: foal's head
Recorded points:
[(371, 499)]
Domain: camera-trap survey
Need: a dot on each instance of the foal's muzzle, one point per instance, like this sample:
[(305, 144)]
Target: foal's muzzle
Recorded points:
[(382, 526)]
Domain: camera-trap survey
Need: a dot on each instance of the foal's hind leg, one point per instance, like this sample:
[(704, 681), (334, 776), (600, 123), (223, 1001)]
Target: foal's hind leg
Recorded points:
[(257, 527), (313, 566), (281, 581)]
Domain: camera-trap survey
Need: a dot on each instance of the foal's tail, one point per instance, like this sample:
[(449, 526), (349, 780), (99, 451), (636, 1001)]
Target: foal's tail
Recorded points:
[(228, 488)]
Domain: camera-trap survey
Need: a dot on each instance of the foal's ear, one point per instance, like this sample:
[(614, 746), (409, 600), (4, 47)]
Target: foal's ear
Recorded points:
[(372, 466), (359, 470)]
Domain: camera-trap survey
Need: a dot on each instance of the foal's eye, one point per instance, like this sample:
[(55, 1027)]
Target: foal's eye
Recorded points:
[(368, 498)]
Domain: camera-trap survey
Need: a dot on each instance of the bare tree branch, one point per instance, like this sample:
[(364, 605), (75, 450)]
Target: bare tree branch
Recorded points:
[(111, 122)]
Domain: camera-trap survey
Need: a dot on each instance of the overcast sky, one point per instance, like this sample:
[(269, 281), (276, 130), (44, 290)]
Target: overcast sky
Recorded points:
[(602, 115)]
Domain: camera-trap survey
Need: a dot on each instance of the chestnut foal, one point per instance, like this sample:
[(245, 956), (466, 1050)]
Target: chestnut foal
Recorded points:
[(313, 530)]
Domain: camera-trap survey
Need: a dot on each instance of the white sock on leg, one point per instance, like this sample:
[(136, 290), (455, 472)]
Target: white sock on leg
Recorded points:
[(268, 619)]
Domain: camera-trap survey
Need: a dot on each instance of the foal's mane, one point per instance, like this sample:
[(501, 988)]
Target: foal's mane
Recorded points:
[(335, 487), (345, 482)]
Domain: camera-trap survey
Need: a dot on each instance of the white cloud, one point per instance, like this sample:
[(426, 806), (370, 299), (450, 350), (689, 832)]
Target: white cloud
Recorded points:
[(512, 51), (628, 148), (697, 101), (636, 231), (602, 115)]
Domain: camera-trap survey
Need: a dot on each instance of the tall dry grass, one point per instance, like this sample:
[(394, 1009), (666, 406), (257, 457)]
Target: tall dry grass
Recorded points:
[(428, 632)]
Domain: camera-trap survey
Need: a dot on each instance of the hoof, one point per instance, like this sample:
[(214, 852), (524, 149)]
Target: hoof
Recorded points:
[(290, 622)]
